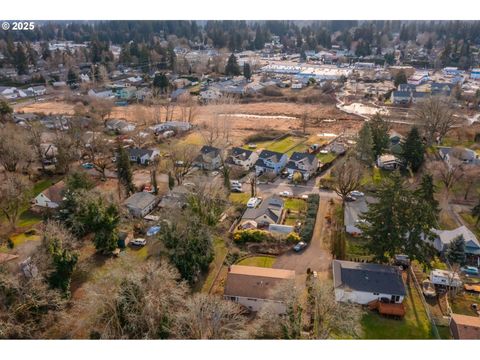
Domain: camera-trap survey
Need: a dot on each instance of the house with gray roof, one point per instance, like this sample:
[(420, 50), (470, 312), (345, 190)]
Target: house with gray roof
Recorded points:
[(445, 237), (304, 163), (269, 212), (242, 158), (270, 162), (208, 158), (362, 283), (141, 204), (142, 156)]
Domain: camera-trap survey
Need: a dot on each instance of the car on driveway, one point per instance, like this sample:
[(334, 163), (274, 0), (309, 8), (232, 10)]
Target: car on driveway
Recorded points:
[(87, 166), (286, 193), (349, 198), (253, 202), (470, 270), (356, 193), (300, 246), (139, 242)]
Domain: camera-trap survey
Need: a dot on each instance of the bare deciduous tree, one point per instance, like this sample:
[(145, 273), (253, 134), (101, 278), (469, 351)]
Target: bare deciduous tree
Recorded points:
[(448, 173), (188, 107), (102, 108), (211, 317), (435, 117), (14, 147), (15, 194), (347, 176), (182, 158)]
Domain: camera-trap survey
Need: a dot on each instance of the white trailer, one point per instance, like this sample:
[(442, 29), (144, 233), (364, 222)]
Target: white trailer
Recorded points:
[(445, 278)]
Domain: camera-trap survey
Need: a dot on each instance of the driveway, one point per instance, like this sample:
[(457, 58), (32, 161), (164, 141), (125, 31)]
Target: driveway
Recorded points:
[(317, 255)]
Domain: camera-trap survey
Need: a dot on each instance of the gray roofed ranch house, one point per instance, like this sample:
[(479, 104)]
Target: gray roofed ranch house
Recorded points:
[(141, 204), (362, 283)]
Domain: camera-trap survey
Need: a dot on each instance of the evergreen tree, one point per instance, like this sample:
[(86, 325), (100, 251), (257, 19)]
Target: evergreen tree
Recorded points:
[(455, 253), (426, 192), (72, 77), (124, 171), (21, 63), (364, 146), (379, 128), (232, 67), (400, 78), (400, 223), (160, 81), (260, 39), (105, 220), (413, 150), (247, 71)]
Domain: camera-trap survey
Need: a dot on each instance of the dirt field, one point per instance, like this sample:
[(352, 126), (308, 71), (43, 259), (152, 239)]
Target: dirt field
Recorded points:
[(279, 116)]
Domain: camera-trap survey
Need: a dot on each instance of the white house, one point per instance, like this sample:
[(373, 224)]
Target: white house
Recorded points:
[(8, 92), (242, 157), (388, 162), (304, 163), (361, 283), (142, 156), (51, 197), (255, 287)]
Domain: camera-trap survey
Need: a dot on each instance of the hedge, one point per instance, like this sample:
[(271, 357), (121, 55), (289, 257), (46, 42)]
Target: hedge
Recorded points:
[(306, 232)]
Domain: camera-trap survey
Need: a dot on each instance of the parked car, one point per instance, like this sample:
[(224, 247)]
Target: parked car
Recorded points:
[(139, 242), (153, 230), (215, 173), (87, 166), (304, 197), (236, 189), (356, 193), (300, 246), (402, 260), (254, 202), (235, 183), (470, 270), (286, 193), (349, 198)]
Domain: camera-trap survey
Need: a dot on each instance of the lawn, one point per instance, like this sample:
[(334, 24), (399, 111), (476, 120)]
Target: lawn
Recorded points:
[(295, 204), (20, 239), (28, 219), (260, 261), (446, 221), (326, 158), (415, 325), (220, 250), (239, 198), (192, 139), (43, 184), (285, 145), (356, 248), (461, 304)]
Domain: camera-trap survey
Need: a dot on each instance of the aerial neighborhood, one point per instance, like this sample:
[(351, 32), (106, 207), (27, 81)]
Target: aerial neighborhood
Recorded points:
[(240, 180)]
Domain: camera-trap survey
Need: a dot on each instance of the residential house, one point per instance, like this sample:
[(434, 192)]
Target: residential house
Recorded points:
[(101, 94), (127, 93), (362, 283), (8, 92), (464, 327), (141, 204), (304, 163), (444, 89), (445, 237), (452, 71), (467, 156), (178, 92), (269, 212), (242, 158), (254, 287), (51, 197), (270, 162), (142, 156), (389, 162), (38, 90), (475, 74), (119, 126), (178, 126), (209, 158), (175, 198)]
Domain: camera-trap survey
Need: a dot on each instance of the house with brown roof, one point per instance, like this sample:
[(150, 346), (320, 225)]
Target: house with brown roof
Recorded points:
[(51, 197), (464, 327), (255, 287)]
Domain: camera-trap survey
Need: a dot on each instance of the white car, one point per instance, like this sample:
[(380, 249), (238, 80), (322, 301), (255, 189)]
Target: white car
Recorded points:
[(356, 193), (139, 242), (253, 202), (285, 193), (304, 197)]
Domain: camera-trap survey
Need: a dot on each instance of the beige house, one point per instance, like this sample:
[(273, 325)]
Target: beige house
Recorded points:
[(255, 287)]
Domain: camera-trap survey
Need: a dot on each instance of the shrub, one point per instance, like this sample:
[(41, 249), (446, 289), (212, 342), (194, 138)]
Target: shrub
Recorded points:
[(293, 238), (306, 232), (253, 235)]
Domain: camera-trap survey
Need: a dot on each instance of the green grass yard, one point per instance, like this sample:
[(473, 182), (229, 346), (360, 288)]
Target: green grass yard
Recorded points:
[(239, 198), (260, 261), (326, 158), (415, 325), (295, 204), (220, 250), (287, 145)]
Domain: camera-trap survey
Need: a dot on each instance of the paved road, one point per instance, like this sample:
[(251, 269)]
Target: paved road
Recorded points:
[(317, 255), (279, 185)]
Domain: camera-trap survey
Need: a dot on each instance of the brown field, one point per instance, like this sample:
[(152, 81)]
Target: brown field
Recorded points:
[(241, 126)]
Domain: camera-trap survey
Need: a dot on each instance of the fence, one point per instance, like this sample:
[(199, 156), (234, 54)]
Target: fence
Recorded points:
[(424, 302)]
